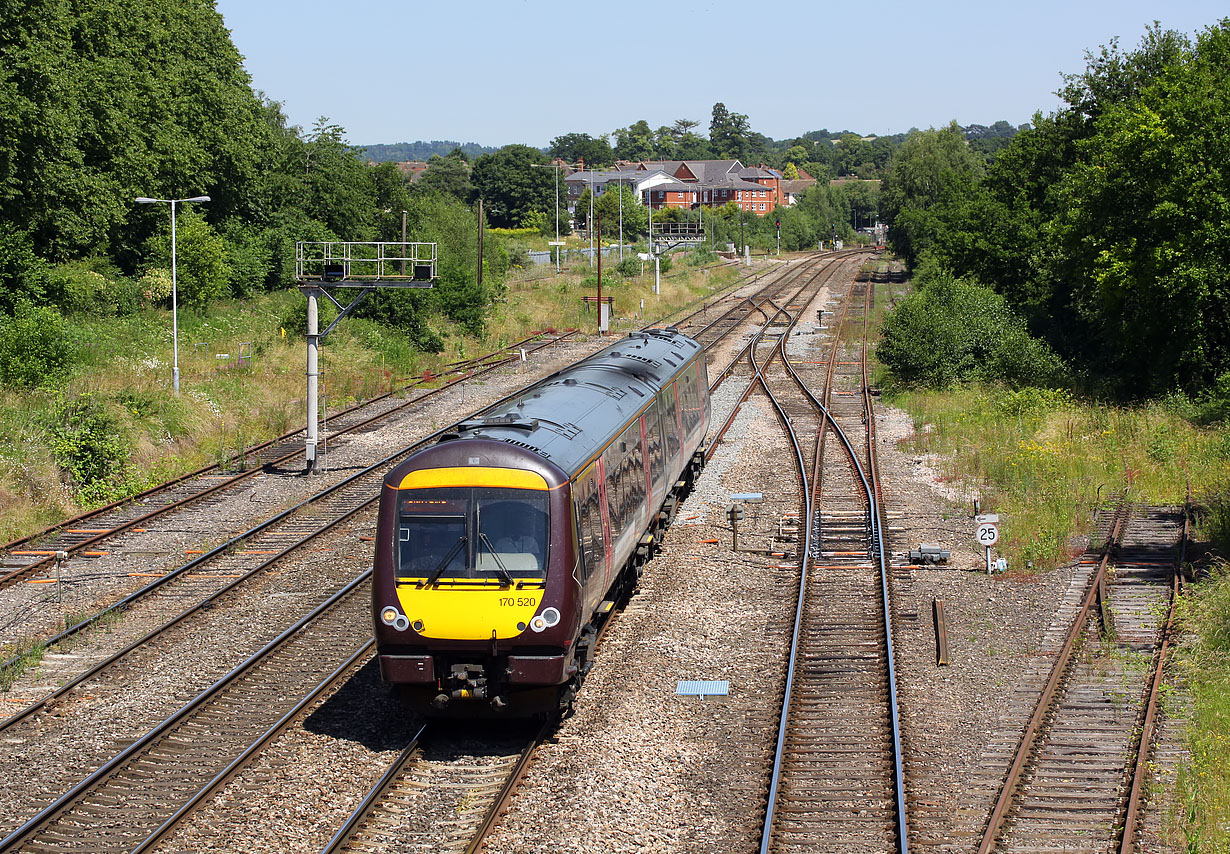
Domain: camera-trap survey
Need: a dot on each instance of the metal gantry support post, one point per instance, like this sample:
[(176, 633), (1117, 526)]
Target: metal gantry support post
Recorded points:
[(313, 377)]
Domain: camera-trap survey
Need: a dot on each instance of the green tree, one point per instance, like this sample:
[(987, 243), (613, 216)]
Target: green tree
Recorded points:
[(448, 176), (933, 168), (510, 186), (202, 269), (634, 142), (635, 215), (114, 99), (338, 188), (729, 134), (575, 147)]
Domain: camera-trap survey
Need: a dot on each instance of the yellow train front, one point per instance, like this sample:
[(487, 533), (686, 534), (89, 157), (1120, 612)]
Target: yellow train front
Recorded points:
[(500, 549)]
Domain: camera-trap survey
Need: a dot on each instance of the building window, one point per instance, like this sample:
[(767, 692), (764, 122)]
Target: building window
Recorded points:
[(762, 205)]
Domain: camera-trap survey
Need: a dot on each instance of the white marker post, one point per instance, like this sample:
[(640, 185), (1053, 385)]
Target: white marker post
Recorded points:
[(987, 533)]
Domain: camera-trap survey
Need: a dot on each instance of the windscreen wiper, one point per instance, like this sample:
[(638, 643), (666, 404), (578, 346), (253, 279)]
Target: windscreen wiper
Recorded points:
[(435, 573), (502, 570)]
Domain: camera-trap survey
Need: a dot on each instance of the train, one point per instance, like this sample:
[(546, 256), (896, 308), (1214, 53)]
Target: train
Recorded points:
[(501, 548)]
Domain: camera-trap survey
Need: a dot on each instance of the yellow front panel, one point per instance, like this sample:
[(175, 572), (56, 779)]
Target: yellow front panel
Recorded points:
[(469, 613), (473, 476)]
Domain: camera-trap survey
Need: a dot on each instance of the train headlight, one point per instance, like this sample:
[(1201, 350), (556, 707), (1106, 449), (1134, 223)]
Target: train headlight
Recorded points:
[(538, 623), (550, 616), (390, 616)]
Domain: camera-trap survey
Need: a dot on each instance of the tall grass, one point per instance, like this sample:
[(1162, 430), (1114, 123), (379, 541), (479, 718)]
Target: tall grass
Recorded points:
[(1043, 459), (1203, 783)]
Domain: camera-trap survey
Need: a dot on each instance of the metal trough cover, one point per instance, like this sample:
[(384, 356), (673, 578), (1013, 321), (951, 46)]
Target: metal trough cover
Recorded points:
[(702, 688)]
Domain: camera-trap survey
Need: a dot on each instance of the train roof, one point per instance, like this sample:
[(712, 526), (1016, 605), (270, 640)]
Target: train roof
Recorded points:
[(569, 416)]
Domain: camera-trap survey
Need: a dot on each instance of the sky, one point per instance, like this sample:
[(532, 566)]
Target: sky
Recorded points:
[(530, 70)]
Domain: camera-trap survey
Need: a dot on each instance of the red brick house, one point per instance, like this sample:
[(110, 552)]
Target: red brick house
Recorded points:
[(712, 183)]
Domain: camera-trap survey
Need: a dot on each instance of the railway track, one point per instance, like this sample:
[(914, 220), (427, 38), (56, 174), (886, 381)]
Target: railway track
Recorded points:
[(142, 789), (837, 772), (237, 561), (1075, 780)]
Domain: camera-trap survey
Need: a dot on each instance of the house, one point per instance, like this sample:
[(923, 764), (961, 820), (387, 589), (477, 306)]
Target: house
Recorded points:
[(411, 169), (599, 181), (710, 183)]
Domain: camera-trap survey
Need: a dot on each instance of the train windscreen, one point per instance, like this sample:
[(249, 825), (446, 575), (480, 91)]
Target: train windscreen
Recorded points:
[(472, 533)]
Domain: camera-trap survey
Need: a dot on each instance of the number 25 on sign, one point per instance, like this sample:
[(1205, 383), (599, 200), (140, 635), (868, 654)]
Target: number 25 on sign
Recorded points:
[(987, 534)]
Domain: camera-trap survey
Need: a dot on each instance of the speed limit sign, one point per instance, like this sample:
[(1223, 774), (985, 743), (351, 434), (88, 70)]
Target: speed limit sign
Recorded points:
[(987, 534)]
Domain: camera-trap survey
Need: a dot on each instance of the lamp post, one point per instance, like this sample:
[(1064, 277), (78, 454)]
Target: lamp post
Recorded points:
[(144, 200)]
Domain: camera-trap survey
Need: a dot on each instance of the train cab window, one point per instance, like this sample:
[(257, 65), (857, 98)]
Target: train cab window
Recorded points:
[(432, 543), (512, 534), (473, 533)]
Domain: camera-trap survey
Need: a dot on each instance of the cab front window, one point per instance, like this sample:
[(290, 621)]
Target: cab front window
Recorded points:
[(484, 534)]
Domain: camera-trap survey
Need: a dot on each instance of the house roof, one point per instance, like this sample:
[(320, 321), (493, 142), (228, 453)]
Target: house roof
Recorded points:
[(731, 183), (605, 176), (799, 186), (702, 170)]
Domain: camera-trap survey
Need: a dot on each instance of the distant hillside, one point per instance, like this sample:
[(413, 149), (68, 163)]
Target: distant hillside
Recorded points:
[(422, 150)]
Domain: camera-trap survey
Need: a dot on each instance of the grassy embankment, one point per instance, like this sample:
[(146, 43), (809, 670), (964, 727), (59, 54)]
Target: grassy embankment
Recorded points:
[(117, 408), (1044, 460)]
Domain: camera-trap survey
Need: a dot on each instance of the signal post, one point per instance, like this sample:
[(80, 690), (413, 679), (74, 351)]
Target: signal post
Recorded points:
[(321, 266)]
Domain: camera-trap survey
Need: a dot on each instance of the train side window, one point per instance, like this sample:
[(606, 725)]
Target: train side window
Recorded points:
[(687, 401), (614, 492), (670, 420), (653, 441), (634, 471), (592, 544)]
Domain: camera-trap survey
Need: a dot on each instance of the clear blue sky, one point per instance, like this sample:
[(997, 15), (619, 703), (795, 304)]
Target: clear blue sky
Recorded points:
[(529, 70)]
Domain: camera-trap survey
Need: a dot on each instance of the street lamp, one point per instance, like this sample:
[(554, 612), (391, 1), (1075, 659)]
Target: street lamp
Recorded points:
[(143, 200)]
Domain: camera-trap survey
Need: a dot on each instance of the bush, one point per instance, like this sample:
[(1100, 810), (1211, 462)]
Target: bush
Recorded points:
[(629, 267), (90, 448), (155, 285), (953, 331), (23, 273), (34, 347), (700, 256), (94, 286), (201, 260), (249, 255)]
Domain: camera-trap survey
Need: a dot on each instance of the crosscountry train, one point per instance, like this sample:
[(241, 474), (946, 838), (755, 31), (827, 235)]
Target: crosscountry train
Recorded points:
[(500, 549)]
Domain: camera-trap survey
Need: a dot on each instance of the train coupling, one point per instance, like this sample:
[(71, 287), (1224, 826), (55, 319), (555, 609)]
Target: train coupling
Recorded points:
[(467, 682)]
